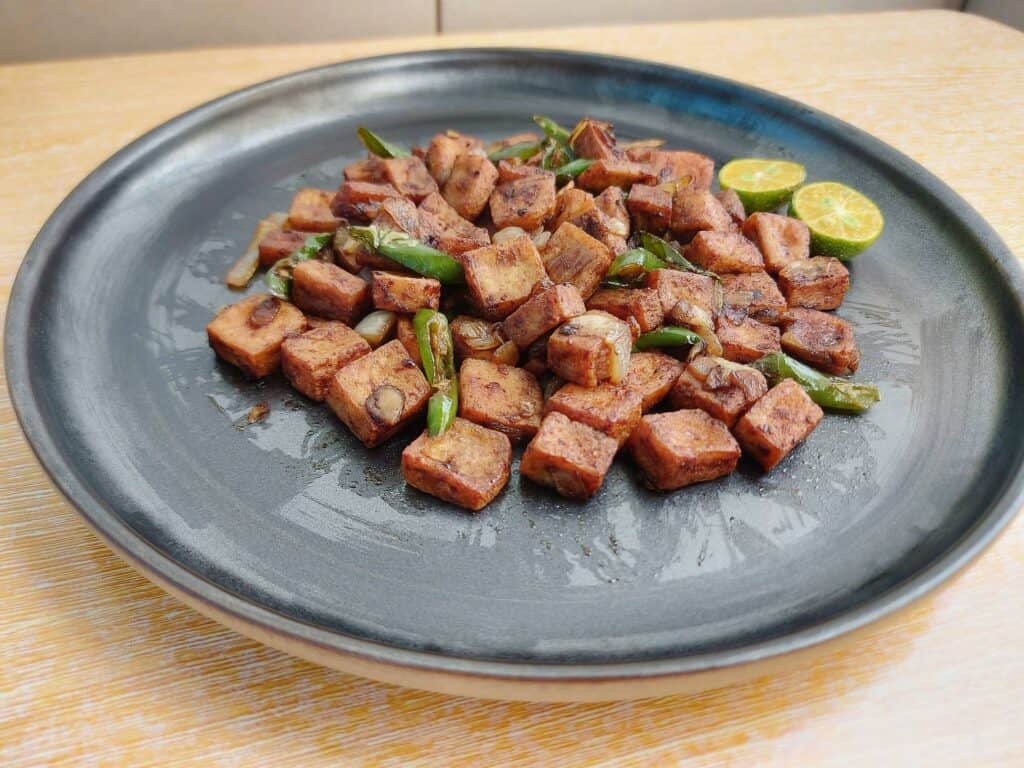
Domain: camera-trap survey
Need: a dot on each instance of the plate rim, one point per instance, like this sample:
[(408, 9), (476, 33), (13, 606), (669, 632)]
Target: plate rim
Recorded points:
[(150, 561)]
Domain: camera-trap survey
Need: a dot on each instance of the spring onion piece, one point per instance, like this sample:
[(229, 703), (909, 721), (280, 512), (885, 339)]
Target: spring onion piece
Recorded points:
[(827, 391), (632, 265), (571, 170), (376, 327), (552, 129), (667, 336), (524, 150), (241, 272), (438, 355), (279, 276), (378, 146), (410, 253), (668, 253)]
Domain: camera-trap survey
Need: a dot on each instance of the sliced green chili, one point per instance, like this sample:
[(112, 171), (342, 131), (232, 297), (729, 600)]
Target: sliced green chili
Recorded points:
[(524, 150), (437, 352), (668, 253), (827, 391), (668, 336), (552, 129), (630, 266), (572, 169), (410, 253), (378, 146)]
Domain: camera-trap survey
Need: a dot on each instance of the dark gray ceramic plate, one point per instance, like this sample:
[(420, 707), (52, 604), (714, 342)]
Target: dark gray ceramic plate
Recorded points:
[(291, 525)]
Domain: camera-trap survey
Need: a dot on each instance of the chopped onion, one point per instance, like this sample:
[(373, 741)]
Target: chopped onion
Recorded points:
[(479, 335), (615, 226), (477, 151), (541, 238), (507, 353), (242, 270), (376, 327), (507, 234), (643, 144), (616, 336)]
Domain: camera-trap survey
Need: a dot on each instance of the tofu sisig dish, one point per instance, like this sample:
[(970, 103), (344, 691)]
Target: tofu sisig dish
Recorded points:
[(578, 295)]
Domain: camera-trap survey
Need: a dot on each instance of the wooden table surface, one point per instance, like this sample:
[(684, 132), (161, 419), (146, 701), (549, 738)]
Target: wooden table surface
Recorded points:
[(101, 668)]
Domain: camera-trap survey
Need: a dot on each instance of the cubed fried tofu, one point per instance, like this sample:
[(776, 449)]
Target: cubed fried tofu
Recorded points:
[(571, 205), (513, 170), (470, 184), (409, 176), (651, 207), (743, 339), (443, 228), (643, 305), (467, 465), (480, 339), (444, 150), (756, 294), (278, 244), (817, 283), (733, 205), (367, 169), (403, 293), (535, 357), (399, 213), (569, 457), (502, 277), (406, 334), (572, 256), (652, 375), (674, 285), (619, 172), (697, 210), (379, 393), (500, 397), (543, 312), (310, 360), (249, 334), (681, 448), (328, 291), (724, 252), (311, 211), (604, 222), (595, 140), (526, 203), (673, 165), (360, 200), (822, 340), (781, 239), (777, 423), (608, 408), (722, 388), (590, 349)]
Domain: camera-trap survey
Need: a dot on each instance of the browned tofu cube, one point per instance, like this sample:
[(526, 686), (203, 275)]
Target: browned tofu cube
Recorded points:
[(569, 457), (249, 334), (535, 358), (643, 305), (404, 294), (526, 203), (399, 213), (571, 205), (443, 228), (724, 252), (470, 185), (743, 339), (652, 375), (781, 239), (543, 312), (614, 410), (651, 207), (756, 294), (328, 291), (500, 397), (733, 205), (778, 423), (379, 393), (367, 169), (722, 388), (502, 277), (405, 333), (697, 210), (682, 448), (674, 285), (591, 348), (468, 465), (817, 283), (279, 244), (595, 140), (603, 218), (444, 150), (310, 360), (360, 200), (821, 340), (572, 256), (673, 165), (311, 211), (409, 176), (513, 170), (619, 172)]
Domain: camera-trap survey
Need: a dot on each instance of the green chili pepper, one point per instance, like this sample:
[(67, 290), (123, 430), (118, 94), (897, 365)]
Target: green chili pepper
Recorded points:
[(437, 352), (410, 253), (668, 253), (552, 129), (279, 276), (826, 391), (378, 146), (524, 150), (572, 169), (632, 265), (668, 336)]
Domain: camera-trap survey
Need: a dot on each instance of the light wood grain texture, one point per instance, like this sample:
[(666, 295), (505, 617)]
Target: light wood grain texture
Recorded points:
[(101, 668)]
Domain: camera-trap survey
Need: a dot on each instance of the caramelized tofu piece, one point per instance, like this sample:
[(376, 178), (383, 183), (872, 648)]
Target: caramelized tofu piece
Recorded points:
[(643, 305), (652, 375), (311, 211), (328, 291), (720, 387), (756, 294), (409, 176), (591, 349), (367, 169), (249, 334), (379, 393), (443, 228), (572, 256), (399, 213), (674, 286), (571, 205), (733, 205), (681, 448), (310, 360), (697, 210), (404, 294), (405, 333), (622, 173), (500, 397), (724, 252), (777, 423), (613, 410), (673, 165), (470, 184), (526, 203), (599, 217), (821, 340), (468, 465), (745, 340), (360, 200), (781, 239), (594, 140), (651, 207), (509, 170), (444, 150), (817, 283), (502, 277), (536, 357), (569, 457), (278, 244), (543, 312)]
